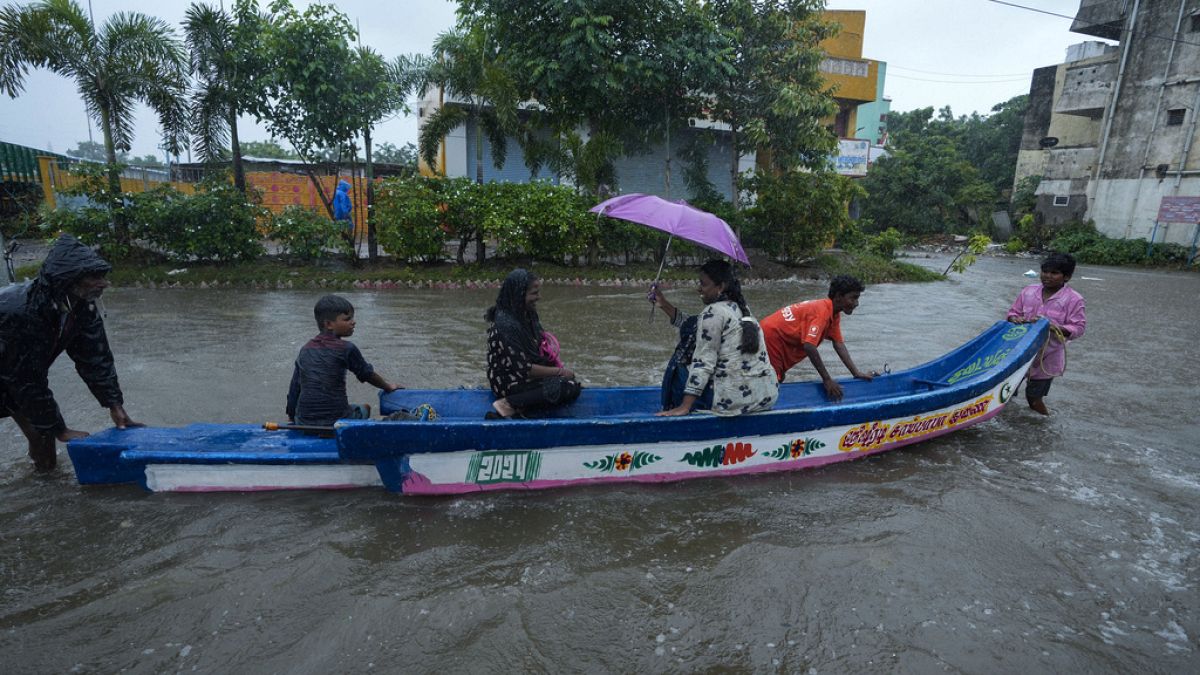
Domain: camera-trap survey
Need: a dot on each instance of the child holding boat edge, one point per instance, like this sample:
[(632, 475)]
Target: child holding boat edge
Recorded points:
[(317, 395), (1064, 308)]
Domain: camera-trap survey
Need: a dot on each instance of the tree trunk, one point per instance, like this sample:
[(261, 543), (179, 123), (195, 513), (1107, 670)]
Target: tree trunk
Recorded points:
[(372, 252), (239, 173), (733, 168), (480, 245), (120, 228)]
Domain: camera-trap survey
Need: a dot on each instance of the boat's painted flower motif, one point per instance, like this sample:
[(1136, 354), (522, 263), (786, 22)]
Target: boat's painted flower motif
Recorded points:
[(801, 447), (624, 461)]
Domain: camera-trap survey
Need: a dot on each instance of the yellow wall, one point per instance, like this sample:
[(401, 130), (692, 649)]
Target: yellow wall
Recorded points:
[(278, 190), (848, 43)]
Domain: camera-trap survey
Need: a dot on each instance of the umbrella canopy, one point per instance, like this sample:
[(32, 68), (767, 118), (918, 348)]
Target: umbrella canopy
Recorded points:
[(679, 219)]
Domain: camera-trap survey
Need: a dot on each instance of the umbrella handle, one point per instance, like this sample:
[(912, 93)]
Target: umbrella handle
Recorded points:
[(659, 275)]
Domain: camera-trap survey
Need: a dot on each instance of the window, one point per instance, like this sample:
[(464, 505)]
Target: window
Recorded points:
[(1175, 117), (1061, 200), (1195, 23)]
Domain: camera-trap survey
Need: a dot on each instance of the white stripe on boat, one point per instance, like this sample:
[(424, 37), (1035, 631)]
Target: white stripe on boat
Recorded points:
[(247, 478)]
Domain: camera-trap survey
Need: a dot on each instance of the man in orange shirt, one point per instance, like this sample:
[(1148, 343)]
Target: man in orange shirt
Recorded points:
[(794, 332)]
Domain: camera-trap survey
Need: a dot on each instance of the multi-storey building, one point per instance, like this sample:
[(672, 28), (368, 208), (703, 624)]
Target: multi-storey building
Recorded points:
[(1112, 131)]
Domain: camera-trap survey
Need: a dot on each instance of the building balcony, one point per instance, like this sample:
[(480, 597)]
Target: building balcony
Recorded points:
[(1087, 86), (1100, 18)]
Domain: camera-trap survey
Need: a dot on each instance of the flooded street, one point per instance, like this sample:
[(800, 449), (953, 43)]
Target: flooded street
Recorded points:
[(1024, 544)]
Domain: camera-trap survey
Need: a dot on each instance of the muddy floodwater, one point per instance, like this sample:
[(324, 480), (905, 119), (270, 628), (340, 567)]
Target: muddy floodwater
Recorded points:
[(1026, 544)]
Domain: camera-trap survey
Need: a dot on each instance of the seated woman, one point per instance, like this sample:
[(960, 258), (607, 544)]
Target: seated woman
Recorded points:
[(729, 354), (523, 366), (675, 376)]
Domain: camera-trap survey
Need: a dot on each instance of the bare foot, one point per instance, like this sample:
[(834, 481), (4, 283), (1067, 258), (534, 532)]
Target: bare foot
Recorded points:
[(503, 407), (1038, 406)]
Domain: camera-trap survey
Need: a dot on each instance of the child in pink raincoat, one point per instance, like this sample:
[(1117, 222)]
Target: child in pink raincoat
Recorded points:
[(1064, 308)]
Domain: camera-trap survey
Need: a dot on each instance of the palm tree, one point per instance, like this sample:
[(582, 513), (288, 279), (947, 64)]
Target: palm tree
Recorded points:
[(467, 68), (223, 65), (132, 58)]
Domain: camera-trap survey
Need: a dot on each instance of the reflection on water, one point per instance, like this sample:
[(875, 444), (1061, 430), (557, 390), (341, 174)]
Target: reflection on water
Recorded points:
[(1025, 543)]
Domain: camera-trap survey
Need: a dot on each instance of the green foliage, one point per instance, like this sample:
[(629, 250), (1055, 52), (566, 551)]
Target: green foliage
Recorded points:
[(92, 221), (1015, 245), (390, 153), (976, 245), (873, 269), (1090, 247), (1024, 198), (853, 236), (306, 58), (537, 220), (885, 243), (266, 150), (95, 152), (799, 212), (1032, 228), (945, 171), (306, 234), (926, 185), (132, 58), (411, 217), (216, 224)]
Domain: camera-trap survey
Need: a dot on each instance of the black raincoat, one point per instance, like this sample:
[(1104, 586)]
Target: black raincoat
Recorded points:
[(38, 321)]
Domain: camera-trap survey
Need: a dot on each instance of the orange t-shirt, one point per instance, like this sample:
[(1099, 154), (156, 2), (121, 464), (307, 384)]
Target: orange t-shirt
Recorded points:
[(786, 331)]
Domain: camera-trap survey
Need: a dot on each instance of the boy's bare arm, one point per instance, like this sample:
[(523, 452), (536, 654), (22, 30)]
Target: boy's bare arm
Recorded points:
[(377, 380), (844, 354)]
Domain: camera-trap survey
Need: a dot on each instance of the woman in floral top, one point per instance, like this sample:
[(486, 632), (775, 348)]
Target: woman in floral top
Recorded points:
[(729, 353), (523, 367)]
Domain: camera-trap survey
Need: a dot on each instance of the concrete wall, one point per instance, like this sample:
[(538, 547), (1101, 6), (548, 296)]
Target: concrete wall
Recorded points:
[(1133, 207)]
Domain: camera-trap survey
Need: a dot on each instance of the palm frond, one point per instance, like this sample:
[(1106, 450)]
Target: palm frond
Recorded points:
[(497, 136), (437, 127), (208, 33)]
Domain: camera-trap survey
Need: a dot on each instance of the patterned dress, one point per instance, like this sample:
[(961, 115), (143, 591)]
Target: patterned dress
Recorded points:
[(742, 383)]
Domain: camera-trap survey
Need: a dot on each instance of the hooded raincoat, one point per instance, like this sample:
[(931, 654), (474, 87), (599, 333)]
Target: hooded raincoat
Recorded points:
[(341, 201), (38, 321)]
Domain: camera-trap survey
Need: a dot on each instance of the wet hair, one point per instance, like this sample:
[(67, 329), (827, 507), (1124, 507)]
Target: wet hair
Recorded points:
[(721, 273), (329, 308), (511, 297), (843, 284), (1059, 262)]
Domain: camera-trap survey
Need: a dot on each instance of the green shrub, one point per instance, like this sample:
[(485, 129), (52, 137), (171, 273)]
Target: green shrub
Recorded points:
[(88, 210), (853, 237), (306, 234), (411, 217), (885, 243), (1015, 245), (216, 224), (799, 213), (1093, 248)]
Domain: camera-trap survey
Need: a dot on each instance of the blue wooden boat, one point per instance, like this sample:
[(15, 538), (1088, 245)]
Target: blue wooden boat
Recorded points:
[(608, 435)]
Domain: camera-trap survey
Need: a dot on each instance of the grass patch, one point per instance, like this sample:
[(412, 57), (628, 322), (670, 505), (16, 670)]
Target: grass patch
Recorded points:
[(275, 271), (873, 269)]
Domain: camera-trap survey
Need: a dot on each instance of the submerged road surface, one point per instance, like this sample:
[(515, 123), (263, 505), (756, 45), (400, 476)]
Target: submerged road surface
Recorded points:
[(1025, 544)]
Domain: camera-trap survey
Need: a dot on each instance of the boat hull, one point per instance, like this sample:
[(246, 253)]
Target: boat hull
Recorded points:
[(610, 435)]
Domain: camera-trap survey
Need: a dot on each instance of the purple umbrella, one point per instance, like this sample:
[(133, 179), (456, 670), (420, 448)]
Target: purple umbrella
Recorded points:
[(678, 219)]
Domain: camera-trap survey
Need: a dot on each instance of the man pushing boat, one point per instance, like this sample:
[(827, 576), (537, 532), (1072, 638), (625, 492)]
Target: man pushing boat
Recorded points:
[(39, 320)]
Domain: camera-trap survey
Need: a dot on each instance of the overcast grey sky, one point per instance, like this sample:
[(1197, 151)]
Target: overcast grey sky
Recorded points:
[(968, 54)]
